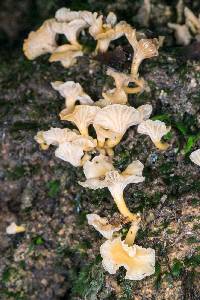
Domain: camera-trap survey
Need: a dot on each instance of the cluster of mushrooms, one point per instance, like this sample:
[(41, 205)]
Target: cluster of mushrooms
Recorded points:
[(110, 118), (184, 33)]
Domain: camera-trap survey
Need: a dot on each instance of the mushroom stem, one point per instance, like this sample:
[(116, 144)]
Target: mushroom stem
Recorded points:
[(161, 146), (85, 158), (84, 132), (130, 237), (44, 146), (134, 90), (121, 205), (135, 66)]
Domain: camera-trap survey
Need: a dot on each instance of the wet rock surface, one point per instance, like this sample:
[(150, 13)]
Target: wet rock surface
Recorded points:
[(58, 255)]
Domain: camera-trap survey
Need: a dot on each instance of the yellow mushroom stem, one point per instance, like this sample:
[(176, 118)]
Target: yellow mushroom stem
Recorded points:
[(130, 237), (110, 152), (121, 205), (20, 229), (161, 146), (44, 146), (134, 90), (135, 66)]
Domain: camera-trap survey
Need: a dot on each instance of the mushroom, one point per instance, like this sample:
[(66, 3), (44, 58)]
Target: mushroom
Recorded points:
[(41, 41), (70, 145), (112, 121), (143, 49), (71, 30), (139, 262), (182, 33), (72, 92), (82, 117), (102, 225), (13, 229), (192, 21), (195, 157), (109, 34), (156, 130), (66, 54), (114, 181)]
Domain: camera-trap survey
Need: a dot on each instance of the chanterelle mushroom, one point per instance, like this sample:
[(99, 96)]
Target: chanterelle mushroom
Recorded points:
[(41, 41), (156, 130), (72, 92), (116, 182), (192, 21), (70, 145), (13, 229), (64, 14), (82, 117), (66, 54), (143, 49), (182, 33), (102, 225), (71, 30), (139, 262), (195, 157), (112, 121)]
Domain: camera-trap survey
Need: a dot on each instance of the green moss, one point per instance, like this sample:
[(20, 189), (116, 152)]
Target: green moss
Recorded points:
[(192, 261), (89, 282), (53, 188), (177, 268), (143, 201)]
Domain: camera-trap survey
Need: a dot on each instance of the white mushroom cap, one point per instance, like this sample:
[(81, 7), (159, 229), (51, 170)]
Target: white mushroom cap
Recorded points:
[(66, 54), (13, 229), (155, 129), (72, 92), (71, 30), (110, 178), (114, 120), (41, 41), (95, 22), (64, 14), (55, 136), (145, 112), (70, 152), (182, 33), (111, 18), (97, 167), (82, 117), (139, 262), (102, 225), (195, 157)]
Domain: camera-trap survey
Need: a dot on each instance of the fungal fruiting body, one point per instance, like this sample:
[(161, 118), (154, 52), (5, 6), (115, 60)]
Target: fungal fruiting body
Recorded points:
[(195, 157), (139, 262), (113, 180), (13, 229), (102, 225), (72, 92), (110, 118), (155, 130), (71, 146), (41, 41)]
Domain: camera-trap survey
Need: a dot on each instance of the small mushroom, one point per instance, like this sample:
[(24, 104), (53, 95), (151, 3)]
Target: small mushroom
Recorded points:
[(115, 182), (72, 92), (54, 136), (109, 34), (82, 117), (98, 167), (182, 33), (64, 14), (192, 21), (156, 130), (112, 121), (94, 21), (66, 54), (70, 145), (143, 49), (71, 30), (195, 157), (102, 225), (13, 229), (139, 262), (41, 41)]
